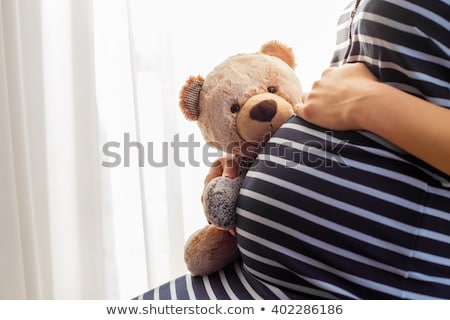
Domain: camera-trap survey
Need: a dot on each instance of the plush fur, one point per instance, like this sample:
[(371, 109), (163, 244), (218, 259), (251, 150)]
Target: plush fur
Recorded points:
[(238, 106)]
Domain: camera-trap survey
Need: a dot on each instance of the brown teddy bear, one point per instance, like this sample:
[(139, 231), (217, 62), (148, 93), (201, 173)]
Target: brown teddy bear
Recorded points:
[(238, 106)]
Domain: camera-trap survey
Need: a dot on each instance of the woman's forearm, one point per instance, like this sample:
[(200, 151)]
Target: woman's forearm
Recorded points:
[(350, 98), (413, 124)]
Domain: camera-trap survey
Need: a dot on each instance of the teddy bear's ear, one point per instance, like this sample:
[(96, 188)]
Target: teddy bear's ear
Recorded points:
[(189, 97), (279, 50)]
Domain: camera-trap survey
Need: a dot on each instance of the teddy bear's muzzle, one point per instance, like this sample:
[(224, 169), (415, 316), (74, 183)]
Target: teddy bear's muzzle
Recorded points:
[(261, 116), (264, 111)]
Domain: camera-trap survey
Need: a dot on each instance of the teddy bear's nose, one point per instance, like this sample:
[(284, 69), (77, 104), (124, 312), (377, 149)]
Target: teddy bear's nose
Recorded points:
[(264, 110)]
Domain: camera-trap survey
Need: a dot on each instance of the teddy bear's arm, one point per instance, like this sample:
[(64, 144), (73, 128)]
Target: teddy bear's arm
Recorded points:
[(219, 201)]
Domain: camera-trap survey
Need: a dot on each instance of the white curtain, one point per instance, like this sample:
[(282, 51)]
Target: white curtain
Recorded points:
[(76, 75)]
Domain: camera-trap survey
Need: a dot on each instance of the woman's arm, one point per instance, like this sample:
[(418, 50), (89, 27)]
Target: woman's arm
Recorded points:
[(350, 98)]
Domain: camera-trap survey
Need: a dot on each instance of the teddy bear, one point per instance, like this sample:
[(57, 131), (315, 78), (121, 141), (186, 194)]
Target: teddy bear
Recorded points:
[(238, 106)]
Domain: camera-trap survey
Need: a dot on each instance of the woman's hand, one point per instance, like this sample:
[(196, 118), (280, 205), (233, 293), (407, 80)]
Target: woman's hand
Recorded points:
[(225, 167), (351, 98), (333, 100)]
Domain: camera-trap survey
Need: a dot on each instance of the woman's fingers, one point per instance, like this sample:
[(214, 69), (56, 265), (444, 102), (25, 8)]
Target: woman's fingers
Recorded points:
[(225, 167)]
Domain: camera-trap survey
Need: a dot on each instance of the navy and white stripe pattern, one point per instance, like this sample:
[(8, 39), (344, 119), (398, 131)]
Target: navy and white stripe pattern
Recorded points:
[(335, 213), (405, 43), (231, 283), (346, 215)]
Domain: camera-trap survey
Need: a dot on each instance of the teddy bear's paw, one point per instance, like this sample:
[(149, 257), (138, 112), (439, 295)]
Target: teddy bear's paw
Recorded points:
[(219, 201)]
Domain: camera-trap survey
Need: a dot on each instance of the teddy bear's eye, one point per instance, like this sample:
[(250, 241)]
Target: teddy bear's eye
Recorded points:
[(235, 108), (272, 89)]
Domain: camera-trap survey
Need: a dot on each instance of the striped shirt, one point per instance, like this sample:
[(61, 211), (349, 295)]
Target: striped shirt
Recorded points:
[(405, 44), (346, 215)]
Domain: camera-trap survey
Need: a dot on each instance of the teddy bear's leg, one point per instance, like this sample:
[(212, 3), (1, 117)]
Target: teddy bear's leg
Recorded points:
[(209, 250)]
